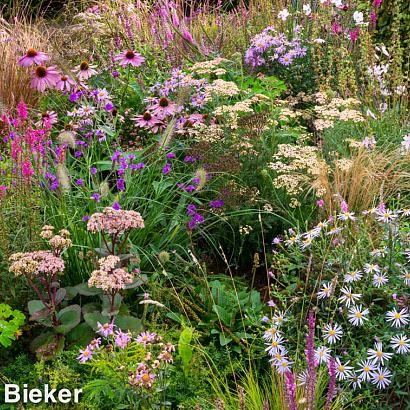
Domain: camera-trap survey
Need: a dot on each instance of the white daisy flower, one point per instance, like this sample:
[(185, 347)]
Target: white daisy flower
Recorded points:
[(322, 354), (357, 315), (370, 211), (343, 371), (398, 318), (325, 291), (386, 216), (302, 378), (371, 268), (353, 276), (381, 377), (269, 334), (379, 279), (279, 318), (377, 355), (275, 345), (405, 211), (322, 225), (379, 252), (283, 365), (365, 369), (348, 297), (306, 243), (279, 355), (344, 216), (292, 240), (334, 231), (332, 333), (406, 277), (355, 381), (400, 343)]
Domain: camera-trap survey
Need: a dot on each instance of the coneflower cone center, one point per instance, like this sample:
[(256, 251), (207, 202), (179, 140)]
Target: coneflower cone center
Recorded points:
[(147, 116), (41, 71), (31, 52), (84, 65), (129, 55), (163, 102)]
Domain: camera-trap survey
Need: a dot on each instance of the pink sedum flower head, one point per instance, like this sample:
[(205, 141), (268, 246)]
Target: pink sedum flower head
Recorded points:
[(33, 57), (85, 70), (130, 57), (44, 77), (32, 264), (114, 221)]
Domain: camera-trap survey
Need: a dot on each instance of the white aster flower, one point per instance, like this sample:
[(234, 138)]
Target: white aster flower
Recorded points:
[(283, 14), (279, 318), (377, 355), (406, 277), (348, 297), (275, 345), (400, 343), (282, 366), (365, 369), (343, 371), (355, 381), (357, 315), (302, 378), (344, 216), (269, 334), (353, 276), (381, 377), (307, 9), (322, 354), (386, 216), (398, 319), (332, 333), (325, 291), (379, 279), (371, 268)]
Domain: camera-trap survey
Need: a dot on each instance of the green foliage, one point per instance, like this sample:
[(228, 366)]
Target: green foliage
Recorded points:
[(10, 323)]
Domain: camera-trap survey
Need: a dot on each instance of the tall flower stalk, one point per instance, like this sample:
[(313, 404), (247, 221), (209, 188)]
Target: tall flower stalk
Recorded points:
[(310, 358)]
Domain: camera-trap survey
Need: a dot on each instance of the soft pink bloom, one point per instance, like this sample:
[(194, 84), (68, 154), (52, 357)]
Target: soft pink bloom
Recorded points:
[(377, 3), (320, 203), (187, 36), (85, 70), (106, 329), (130, 57), (64, 83), (33, 57), (145, 120), (336, 29), (85, 355), (164, 108), (44, 77), (354, 34)]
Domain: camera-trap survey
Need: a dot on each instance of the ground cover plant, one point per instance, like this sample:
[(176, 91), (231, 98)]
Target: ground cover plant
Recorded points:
[(205, 205)]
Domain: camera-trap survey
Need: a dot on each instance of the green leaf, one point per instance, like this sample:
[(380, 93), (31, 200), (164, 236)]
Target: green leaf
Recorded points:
[(71, 292), (223, 315), (69, 318), (80, 335), (185, 349), (224, 340), (106, 304), (85, 290), (34, 306), (130, 323), (47, 345), (60, 295)]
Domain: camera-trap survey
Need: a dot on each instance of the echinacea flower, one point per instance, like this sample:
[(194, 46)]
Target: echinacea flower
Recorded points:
[(365, 369), (357, 314), (44, 77), (400, 343), (145, 120), (381, 377), (84, 70), (85, 355), (343, 371), (130, 57), (396, 318), (164, 108), (322, 354), (33, 57), (332, 333), (65, 83), (377, 355)]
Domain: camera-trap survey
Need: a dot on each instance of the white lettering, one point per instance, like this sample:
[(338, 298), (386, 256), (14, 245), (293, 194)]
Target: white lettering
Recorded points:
[(66, 393), (35, 396), (49, 395), (11, 390)]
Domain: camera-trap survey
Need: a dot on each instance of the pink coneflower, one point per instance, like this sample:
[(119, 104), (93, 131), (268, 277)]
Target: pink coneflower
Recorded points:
[(44, 77), (48, 117), (33, 57), (164, 107), (130, 57), (64, 83), (145, 120), (85, 70)]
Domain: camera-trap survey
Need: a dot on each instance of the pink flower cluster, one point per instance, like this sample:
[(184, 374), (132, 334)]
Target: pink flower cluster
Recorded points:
[(114, 222), (33, 264), (108, 277)]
